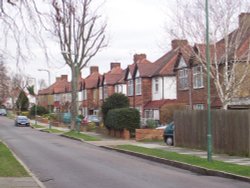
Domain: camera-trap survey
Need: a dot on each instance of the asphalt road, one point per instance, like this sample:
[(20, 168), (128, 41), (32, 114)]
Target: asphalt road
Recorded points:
[(64, 163)]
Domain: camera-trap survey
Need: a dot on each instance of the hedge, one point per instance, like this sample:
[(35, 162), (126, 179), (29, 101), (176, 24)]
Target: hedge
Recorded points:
[(123, 118)]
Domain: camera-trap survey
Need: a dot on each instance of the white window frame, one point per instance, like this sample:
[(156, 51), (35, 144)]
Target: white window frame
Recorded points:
[(198, 107), (156, 85), (105, 92), (100, 93), (130, 87), (138, 86), (84, 94), (183, 79), (149, 114), (198, 77)]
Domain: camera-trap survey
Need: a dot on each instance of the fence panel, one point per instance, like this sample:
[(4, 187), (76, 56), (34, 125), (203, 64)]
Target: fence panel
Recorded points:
[(230, 130)]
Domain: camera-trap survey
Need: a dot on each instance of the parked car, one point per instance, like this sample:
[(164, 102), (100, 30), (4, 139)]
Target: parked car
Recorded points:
[(168, 134), (22, 121), (3, 112), (91, 118)]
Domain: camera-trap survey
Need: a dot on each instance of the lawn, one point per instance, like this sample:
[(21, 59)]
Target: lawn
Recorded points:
[(9, 166), (56, 131), (38, 126), (189, 159), (75, 134)]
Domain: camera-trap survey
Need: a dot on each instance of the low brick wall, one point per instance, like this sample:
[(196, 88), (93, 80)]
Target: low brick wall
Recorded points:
[(152, 134), (42, 120), (124, 134)]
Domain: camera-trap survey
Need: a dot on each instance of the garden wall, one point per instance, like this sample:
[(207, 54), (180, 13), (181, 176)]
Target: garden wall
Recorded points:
[(150, 134)]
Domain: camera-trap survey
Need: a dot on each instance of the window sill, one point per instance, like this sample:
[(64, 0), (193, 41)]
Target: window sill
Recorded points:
[(198, 87)]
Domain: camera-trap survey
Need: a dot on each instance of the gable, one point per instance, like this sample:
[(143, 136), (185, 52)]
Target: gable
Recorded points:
[(182, 63), (129, 76), (137, 74)]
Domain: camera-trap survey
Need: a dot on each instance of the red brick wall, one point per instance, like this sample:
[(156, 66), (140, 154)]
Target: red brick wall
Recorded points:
[(146, 94), (198, 96), (152, 134)]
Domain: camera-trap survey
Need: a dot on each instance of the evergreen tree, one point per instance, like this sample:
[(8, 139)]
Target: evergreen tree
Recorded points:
[(22, 102)]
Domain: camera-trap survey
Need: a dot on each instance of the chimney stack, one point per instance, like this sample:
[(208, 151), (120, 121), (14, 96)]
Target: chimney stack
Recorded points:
[(58, 79), (177, 42), (244, 20), (114, 65), (139, 57), (64, 77), (94, 69)]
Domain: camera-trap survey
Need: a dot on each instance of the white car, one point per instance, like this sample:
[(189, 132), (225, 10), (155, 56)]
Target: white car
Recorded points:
[(161, 127), (3, 112)]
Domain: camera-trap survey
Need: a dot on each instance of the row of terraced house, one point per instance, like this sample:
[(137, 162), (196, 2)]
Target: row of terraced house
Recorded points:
[(175, 78)]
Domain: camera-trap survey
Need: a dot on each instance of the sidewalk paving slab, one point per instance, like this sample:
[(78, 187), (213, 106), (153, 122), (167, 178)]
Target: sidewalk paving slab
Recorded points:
[(14, 182)]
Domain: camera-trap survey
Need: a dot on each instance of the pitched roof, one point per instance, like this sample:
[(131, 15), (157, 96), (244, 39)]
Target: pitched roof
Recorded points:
[(113, 76), (92, 80), (166, 64)]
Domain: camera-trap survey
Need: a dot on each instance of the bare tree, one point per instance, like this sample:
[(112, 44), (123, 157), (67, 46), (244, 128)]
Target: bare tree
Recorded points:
[(4, 82), (18, 83), (22, 24), (41, 84), (81, 34), (229, 45)]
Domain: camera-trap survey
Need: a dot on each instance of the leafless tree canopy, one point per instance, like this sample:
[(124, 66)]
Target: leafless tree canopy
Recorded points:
[(229, 40), (81, 35), (79, 30), (22, 23), (4, 80)]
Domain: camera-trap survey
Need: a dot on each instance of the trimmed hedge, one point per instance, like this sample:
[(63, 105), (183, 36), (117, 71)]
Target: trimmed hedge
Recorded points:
[(40, 110), (123, 118), (115, 101)]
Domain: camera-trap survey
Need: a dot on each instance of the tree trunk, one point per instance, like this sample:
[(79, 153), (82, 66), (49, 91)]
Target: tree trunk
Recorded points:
[(74, 97)]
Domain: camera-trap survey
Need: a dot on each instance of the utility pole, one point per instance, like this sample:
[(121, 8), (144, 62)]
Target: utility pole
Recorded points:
[(209, 129)]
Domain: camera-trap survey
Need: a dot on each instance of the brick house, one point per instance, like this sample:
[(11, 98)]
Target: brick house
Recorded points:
[(90, 103), (139, 83), (192, 80), (163, 81), (191, 70), (108, 82)]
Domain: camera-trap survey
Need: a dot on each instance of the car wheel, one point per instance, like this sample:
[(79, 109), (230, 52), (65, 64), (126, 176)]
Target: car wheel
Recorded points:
[(169, 141)]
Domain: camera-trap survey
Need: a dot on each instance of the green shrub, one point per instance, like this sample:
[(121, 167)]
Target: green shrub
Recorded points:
[(26, 113), (39, 110), (22, 102), (123, 118), (150, 123), (117, 100), (91, 126)]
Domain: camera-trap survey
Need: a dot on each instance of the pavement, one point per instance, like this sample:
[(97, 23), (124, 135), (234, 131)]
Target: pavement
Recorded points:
[(106, 141)]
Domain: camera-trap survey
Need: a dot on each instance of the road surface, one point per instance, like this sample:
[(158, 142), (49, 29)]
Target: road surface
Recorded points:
[(64, 163)]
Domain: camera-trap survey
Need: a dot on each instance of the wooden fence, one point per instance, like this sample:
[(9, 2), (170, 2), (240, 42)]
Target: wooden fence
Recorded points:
[(230, 130)]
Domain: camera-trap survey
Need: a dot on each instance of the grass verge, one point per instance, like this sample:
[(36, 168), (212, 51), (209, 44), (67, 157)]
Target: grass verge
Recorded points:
[(37, 126), (192, 160), (56, 131), (9, 166), (85, 137)]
